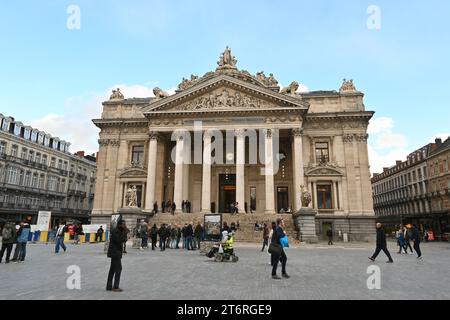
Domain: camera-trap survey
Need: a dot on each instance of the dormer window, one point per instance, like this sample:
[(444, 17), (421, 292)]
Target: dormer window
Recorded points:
[(27, 133), (6, 124), (47, 141), (40, 138), (33, 136), (17, 129)]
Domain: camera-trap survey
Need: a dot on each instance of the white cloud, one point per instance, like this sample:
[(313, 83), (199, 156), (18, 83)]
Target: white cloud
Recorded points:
[(385, 146), (75, 125)]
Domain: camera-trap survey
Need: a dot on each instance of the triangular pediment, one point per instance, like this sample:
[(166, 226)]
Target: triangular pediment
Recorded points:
[(323, 170), (133, 172), (224, 93)]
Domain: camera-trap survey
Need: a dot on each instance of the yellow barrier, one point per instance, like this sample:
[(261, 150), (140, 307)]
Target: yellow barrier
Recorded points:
[(44, 236), (66, 237), (82, 238)]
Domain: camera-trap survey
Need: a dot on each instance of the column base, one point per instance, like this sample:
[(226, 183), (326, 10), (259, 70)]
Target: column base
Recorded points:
[(305, 221)]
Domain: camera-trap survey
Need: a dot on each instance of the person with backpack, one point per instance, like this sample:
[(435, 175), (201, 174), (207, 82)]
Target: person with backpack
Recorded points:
[(381, 245), (60, 238), (8, 237), (22, 240)]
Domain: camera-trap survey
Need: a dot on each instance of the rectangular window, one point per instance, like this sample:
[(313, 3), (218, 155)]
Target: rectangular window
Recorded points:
[(38, 158), (12, 175), (14, 151), (27, 182), (60, 164), (41, 181), (44, 159), (252, 199), (137, 157), (53, 162), (24, 153), (34, 183), (31, 156), (322, 152), (324, 196), (2, 147)]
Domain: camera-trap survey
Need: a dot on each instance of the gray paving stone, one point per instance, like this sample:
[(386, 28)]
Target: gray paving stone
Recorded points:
[(317, 272)]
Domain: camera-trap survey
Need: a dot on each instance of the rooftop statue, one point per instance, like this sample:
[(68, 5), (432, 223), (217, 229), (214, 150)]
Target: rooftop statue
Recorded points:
[(347, 86), (293, 87), (159, 94), (227, 60), (116, 95)]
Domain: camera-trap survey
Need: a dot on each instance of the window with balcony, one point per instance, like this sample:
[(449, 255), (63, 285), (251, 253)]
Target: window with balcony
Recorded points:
[(31, 156), (27, 181), (322, 152), (14, 150), (60, 164), (44, 159), (34, 182), (41, 182), (38, 158), (53, 162), (24, 153), (12, 176)]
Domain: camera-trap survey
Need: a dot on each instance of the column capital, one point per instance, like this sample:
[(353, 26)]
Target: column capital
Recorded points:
[(154, 135), (348, 138), (267, 133), (240, 133), (297, 132), (114, 143), (103, 142)]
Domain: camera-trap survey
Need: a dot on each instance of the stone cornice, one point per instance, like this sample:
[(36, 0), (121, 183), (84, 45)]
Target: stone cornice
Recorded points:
[(101, 123), (352, 116)]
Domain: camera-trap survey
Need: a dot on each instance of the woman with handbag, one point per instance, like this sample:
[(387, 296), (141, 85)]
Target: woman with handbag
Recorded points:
[(277, 251)]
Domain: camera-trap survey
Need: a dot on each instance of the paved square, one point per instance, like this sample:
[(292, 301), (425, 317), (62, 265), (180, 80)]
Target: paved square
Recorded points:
[(317, 272)]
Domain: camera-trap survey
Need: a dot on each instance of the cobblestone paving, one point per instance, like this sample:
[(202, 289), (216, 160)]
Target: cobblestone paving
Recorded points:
[(317, 272)]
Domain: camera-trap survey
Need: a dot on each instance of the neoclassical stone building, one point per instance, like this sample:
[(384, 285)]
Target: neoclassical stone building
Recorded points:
[(167, 146)]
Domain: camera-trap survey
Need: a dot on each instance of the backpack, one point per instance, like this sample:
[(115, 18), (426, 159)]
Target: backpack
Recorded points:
[(7, 234)]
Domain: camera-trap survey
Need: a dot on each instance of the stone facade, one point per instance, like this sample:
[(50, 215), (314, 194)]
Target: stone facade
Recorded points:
[(416, 190), (38, 173), (317, 140)]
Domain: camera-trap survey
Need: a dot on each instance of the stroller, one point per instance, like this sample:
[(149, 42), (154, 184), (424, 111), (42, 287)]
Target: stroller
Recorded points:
[(223, 251)]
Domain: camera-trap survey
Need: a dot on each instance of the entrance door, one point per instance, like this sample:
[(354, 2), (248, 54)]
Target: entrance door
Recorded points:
[(282, 199), (227, 192)]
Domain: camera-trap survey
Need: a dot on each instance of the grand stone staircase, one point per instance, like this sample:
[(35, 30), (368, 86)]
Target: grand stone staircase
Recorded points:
[(246, 231)]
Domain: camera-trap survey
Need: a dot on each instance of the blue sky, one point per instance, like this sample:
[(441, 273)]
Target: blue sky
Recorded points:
[(55, 78)]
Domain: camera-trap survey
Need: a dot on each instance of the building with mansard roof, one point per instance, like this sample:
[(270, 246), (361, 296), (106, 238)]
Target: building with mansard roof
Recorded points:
[(38, 173)]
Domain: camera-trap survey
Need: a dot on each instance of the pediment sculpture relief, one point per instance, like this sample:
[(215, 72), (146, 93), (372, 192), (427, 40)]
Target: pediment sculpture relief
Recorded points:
[(224, 99)]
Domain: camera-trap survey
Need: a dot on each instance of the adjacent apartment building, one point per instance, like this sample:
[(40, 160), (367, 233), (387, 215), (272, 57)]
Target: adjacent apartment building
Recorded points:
[(416, 190), (38, 173)]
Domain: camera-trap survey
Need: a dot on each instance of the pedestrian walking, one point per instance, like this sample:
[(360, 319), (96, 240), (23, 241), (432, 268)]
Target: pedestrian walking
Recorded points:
[(278, 254), (143, 233), (266, 233), (60, 238), (174, 207), (154, 235), (381, 244), (417, 239), (408, 234), (22, 240), (99, 234), (330, 237), (401, 241), (162, 237), (8, 237), (118, 236)]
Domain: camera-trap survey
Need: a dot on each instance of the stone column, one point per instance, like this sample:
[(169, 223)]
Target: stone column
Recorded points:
[(269, 158), (299, 176), (316, 206), (240, 169), (341, 192), (206, 178), (178, 189), (151, 171), (335, 196)]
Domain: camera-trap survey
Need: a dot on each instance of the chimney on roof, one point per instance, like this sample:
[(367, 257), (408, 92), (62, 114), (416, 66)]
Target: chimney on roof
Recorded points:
[(80, 154), (398, 162), (438, 141)]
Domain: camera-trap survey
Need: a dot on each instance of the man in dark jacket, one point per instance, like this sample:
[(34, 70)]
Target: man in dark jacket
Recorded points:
[(162, 237), (154, 236), (8, 237), (381, 244), (330, 237), (118, 237), (189, 232), (279, 233), (415, 236), (197, 235)]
